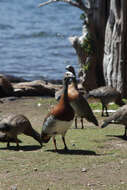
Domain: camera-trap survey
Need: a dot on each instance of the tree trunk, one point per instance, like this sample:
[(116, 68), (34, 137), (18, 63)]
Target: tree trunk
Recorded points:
[(102, 57), (115, 56), (94, 25)]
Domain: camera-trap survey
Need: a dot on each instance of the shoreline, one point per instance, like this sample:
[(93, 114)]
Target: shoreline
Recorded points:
[(12, 86), (16, 79)]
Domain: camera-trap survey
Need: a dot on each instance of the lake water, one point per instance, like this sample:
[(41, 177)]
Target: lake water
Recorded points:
[(34, 41)]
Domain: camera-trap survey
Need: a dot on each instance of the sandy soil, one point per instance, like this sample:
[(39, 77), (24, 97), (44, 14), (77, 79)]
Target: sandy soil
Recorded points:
[(28, 106), (103, 175)]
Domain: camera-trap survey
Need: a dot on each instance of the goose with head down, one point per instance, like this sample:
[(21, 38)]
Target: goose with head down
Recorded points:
[(16, 124), (119, 117)]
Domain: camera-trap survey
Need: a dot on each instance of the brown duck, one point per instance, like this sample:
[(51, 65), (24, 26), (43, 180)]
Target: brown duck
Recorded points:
[(60, 118)]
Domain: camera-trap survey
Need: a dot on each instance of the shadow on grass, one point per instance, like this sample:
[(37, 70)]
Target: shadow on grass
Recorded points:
[(23, 148), (118, 136), (74, 152)]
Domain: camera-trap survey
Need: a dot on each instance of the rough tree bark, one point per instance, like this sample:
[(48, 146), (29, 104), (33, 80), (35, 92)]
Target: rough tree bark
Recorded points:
[(115, 56), (94, 24), (105, 61)]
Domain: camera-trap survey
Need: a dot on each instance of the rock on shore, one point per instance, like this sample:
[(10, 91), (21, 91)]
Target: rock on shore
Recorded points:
[(32, 88)]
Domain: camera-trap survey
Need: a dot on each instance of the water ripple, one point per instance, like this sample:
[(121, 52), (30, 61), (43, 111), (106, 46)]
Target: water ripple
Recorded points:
[(5, 26), (41, 34), (34, 42)]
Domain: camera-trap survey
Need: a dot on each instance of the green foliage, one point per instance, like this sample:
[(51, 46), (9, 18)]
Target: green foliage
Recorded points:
[(86, 66), (83, 16), (88, 45)]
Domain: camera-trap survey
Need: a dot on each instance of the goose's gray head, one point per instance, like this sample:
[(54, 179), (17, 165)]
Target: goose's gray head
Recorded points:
[(71, 69), (69, 74), (67, 77)]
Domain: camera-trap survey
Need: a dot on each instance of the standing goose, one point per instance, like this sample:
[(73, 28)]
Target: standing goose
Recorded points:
[(13, 125), (79, 103), (60, 118), (106, 94), (119, 117)]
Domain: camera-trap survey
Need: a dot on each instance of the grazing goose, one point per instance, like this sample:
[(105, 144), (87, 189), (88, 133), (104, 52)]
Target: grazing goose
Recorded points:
[(79, 103), (119, 117), (4, 138), (106, 95), (60, 118), (13, 125)]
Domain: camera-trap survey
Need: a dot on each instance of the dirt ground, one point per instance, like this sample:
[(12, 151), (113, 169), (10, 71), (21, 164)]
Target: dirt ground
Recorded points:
[(29, 106), (104, 172)]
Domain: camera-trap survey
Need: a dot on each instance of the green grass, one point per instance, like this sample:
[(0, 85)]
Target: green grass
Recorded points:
[(98, 106), (100, 151)]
